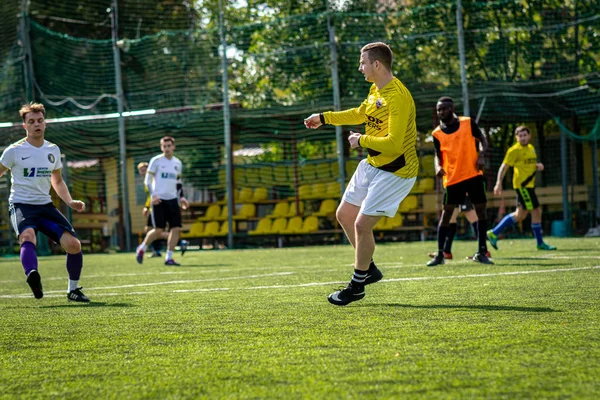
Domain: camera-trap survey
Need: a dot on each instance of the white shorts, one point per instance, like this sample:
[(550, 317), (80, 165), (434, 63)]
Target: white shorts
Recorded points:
[(377, 192)]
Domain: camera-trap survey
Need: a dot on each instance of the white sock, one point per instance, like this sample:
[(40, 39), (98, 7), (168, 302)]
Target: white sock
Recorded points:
[(73, 285), (169, 255), (141, 247)]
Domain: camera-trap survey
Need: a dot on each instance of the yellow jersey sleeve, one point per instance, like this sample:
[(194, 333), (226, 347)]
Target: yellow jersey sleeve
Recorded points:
[(148, 199), (353, 116)]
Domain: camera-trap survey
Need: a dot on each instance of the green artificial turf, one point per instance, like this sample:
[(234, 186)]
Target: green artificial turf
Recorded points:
[(257, 324)]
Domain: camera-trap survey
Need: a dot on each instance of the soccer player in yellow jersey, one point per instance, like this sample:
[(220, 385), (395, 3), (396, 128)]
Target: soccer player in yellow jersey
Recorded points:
[(387, 175), (459, 161), (521, 156)]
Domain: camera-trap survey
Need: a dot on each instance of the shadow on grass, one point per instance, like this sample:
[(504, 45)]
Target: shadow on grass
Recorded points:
[(469, 307), (92, 304)]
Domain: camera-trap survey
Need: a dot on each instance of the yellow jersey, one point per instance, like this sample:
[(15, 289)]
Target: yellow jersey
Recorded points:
[(524, 162), (390, 131)]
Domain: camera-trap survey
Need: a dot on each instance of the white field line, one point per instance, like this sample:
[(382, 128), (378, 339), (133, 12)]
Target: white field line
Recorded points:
[(417, 278), (58, 278), (162, 283), (310, 284)]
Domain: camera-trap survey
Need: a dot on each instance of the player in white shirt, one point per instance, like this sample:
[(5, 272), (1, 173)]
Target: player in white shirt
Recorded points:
[(163, 182), (35, 167)]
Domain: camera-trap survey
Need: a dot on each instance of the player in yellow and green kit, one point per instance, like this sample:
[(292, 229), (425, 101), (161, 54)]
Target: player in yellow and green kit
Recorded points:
[(386, 176), (521, 156)]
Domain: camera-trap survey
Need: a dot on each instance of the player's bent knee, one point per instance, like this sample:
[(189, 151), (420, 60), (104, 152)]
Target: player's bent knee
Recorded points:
[(70, 243), (28, 235)]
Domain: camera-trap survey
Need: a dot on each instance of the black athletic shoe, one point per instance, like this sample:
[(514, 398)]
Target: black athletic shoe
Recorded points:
[(347, 295), (438, 260), (172, 263), (34, 280), (373, 274), (482, 259), (77, 295)]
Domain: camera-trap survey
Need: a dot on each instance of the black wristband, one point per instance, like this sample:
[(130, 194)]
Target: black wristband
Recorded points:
[(322, 118), (359, 141)]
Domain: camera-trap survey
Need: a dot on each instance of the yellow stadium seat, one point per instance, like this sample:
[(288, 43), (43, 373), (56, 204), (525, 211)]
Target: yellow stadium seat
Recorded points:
[(224, 229), (393, 223), (246, 195), (253, 177), (411, 202), (280, 174), (304, 191), (381, 224), (334, 168), (196, 230), (333, 190), (279, 225), (211, 229), (294, 225), (260, 194), (350, 168), (317, 190), (246, 211), (310, 224), (427, 165), (309, 173), (323, 171), (327, 207), (224, 214), (292, 209), (426, 184), (291, 173), (266, 175), (212, 212), (262, 228), (280, 210), (239, 175), (222, 178)]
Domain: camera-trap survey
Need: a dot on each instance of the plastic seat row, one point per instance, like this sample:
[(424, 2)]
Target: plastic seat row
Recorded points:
[(294, 225)]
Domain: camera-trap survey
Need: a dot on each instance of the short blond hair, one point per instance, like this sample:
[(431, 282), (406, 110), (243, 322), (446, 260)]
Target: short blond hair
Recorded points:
[(379, 51), (142, 165), (32, 107)]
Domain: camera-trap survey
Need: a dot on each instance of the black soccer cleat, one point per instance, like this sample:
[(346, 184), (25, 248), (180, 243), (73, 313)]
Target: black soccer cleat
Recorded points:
[(172, 263), (34, 280), (482, 259), (77, 295), (373, 274), (347, 295), (439, 259)]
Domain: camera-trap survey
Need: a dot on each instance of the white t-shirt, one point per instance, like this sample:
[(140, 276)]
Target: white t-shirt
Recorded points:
[(31, 171), (165, 172)]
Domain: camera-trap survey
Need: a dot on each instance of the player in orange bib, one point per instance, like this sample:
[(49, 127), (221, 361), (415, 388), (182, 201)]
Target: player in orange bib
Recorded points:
[(459, 161)]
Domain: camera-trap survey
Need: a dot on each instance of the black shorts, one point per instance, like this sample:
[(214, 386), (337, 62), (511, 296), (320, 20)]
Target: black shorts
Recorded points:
[(166, 211), (44, 218), (467, 205), (474, 187), (527, 199)]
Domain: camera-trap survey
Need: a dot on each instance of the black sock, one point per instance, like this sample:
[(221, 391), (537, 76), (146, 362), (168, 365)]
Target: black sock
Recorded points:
[(450, 238), (481, 235), (476, 228), (359, 277), (442, 234)]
